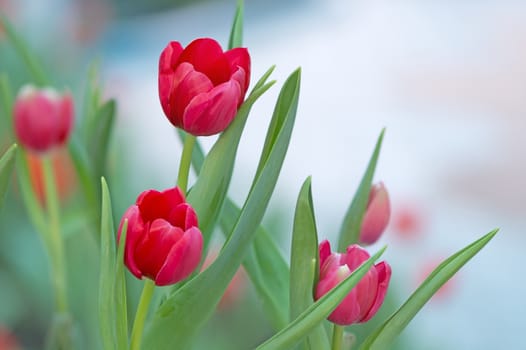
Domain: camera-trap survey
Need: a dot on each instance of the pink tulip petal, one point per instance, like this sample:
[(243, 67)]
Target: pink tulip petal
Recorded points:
[(367, 290), (191, 85), (133, 234), (65, 116), (169, 57), (239, 57), (355, 256), (325, 251), (240, 76), (208, 58), (173, 197), (152, 250), (376, 216), (184, 216), (212, 112), (384, 276), (183, 258)]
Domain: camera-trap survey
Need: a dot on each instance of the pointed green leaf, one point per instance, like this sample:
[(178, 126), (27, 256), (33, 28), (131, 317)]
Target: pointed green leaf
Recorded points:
[(390, 329), (304, 265), (100, 129), (38, 74), (197, 299), (236, 33), (120, 293), (350, 230), (208, 193), (107, 317), (264, 263), (7, 162), (6, 101), (319, 311)]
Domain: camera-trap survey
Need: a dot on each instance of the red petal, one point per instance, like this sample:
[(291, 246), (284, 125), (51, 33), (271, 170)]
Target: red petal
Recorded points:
[(152, 250), (169, 57), (384, 276), (183, 258), (212, 112), (325, 251), (355, 256), (134, 233), (208, 58), (239, 57), (183, 216), (188, 83)]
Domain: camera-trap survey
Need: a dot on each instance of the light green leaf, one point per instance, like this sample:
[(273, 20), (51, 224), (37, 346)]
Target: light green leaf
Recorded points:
[(107, 317), (236, 33), (319, 311), (264, 263), (120, 296), (350, 229), (304, 265), (197, 299), (382, 337), (266, 268), (38, 74), (7, 162), (6, 101), (100, 129), (208, 193)]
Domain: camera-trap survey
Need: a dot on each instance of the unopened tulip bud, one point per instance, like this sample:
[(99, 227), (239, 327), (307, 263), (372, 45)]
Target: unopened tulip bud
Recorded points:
[(43, 118), (376, 215), (364, 300)]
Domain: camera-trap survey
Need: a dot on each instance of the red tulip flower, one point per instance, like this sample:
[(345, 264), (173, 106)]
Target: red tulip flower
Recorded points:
[(201, 87), (163, 241), (43, 118), (376, 216), (366, 297)]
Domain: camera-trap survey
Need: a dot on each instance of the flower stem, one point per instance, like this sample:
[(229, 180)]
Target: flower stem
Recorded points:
[(186, 160), (140, 316), (337, 337), (56, 244)]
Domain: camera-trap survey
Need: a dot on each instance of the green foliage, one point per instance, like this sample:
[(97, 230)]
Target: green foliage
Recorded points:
[(7, 163)]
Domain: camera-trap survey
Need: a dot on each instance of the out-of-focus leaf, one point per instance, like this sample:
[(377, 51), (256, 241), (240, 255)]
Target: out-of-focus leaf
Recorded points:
[(6, 102), (304, 265), (208, 194), (37, 72), (197, 299), (107, 317), (266, 268), (100, 129), (319, 311), (350, 229), (7, 162), (382, 337), (236, 33)]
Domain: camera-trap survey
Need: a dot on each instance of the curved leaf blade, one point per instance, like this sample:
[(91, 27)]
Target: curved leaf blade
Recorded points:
[(352, 222), (236, 33), (7, 163), (382, 337)]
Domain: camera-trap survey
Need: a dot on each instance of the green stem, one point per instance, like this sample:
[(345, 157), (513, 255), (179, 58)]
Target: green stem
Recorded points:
[(54, 236), (186, 160), (140, 316), (337, 337)]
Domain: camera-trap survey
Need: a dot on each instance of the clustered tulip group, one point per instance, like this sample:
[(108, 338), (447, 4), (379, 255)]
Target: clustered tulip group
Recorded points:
[(201, 89)]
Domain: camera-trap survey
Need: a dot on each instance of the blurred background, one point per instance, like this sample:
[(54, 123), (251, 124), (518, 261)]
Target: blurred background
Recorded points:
[(446, 79)]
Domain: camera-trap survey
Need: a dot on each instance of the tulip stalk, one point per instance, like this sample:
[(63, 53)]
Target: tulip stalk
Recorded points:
[(140, 315), (55, 239), (337, 337), (184, 165)]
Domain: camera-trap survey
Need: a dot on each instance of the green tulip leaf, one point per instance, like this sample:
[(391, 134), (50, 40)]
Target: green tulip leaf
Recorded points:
[(6, 101), (197, 299), (352, 222), (266, 268), (101, 129), (264, 263), (208, 193), (304, 266), (120, 293), (107, 316), (7, 162), (319, 311), (37, 72), (236, 33), (382, 337)]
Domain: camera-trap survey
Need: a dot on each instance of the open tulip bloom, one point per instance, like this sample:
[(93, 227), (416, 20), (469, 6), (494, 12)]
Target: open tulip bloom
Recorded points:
[(163, 237)]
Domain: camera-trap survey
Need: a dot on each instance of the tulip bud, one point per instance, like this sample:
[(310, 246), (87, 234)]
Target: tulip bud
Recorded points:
[(163, 241), (43, 118), (364, 300), (201, 87), (376, 215)]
